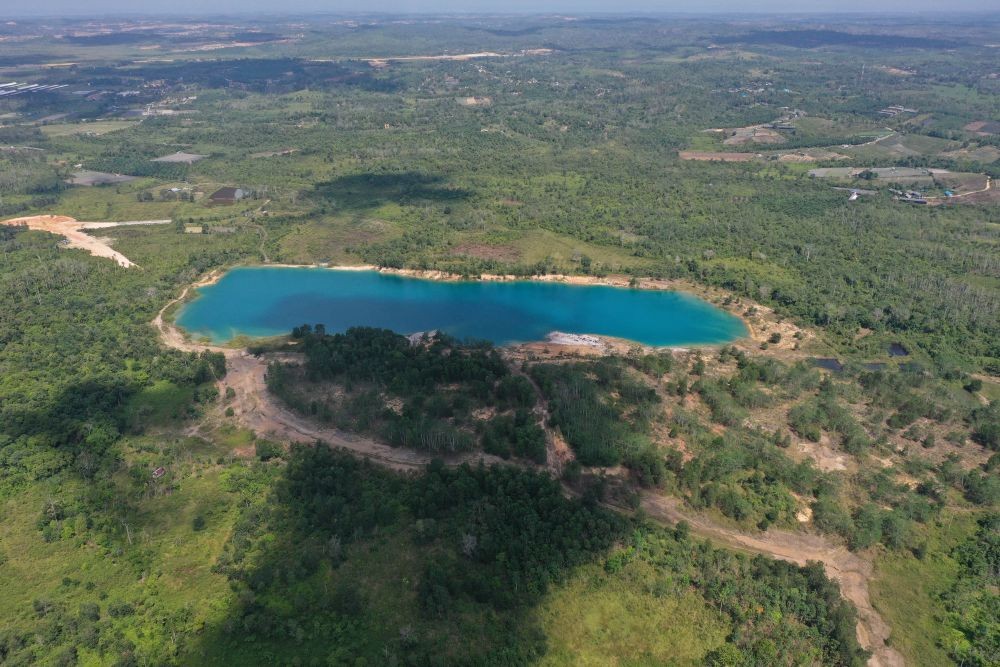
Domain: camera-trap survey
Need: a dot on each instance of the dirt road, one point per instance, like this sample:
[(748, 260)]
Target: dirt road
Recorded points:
[(989, 183), (255, 409), (848, 569), (72, 230), (171, 336), (891, 131)]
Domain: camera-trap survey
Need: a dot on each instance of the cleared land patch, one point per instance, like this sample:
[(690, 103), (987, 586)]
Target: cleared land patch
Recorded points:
[(712, 156), (72, 230), (180, 158), (596, 619), (91, 178), (486, 251), (879, 172), (984, 154), (280, 151), (984, 127), (475, 101), (95, 128), (813, 155), (754, 134)]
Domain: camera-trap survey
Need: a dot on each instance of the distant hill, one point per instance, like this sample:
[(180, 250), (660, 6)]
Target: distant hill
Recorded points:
[(810, 39)]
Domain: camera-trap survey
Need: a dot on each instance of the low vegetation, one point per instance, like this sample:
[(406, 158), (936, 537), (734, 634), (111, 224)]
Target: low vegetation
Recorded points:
[(484, 548)]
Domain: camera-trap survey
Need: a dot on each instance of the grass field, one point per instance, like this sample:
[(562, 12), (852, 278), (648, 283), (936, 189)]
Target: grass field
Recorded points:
[(159, 404), (811, 126), (97, 128), (327, 240), (538, 244), (177, 587), (903, 146), (906, 591), (120, 203), (598, 619), (113, 202)]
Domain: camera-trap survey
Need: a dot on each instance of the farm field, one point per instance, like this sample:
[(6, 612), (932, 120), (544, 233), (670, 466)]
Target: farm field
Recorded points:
[(95, 128)]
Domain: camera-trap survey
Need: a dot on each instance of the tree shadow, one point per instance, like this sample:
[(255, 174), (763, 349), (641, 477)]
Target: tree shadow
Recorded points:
[(355, 192), (347, 563), (65, 417)]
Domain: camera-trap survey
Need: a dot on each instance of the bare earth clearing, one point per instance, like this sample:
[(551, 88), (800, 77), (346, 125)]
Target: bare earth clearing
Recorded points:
[(383, 61), (753, 134), (180, 158), (91, 178), (72, 230), (256, 410), (710, 156)]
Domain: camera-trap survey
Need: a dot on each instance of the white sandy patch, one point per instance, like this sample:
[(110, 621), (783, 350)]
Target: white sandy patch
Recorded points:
[(72, 231)]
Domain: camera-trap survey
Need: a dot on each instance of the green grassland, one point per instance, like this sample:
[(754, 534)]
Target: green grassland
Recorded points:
[(600, 619), (164, 574), (847, 126), (908, 592), (96, 128), (899, 147)]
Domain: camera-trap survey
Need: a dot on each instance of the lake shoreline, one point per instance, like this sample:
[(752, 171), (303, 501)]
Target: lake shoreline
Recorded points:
[(702, 292), (754, 317)]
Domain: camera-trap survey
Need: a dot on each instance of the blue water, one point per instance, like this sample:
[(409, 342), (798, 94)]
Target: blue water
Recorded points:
[(267, 301)]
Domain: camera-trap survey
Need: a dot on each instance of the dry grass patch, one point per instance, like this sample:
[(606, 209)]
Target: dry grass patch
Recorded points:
[(599, 619)]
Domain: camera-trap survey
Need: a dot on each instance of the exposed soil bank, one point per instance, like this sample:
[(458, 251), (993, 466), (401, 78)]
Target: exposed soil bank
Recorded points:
[(851, 571)]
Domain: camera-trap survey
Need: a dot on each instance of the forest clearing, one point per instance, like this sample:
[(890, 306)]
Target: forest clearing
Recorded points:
[(73, 231)]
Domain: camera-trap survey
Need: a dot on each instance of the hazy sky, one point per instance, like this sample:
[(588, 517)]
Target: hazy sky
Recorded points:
[(76, 7)]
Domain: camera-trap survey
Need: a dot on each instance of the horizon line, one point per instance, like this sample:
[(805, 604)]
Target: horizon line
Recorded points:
[(979, 14)]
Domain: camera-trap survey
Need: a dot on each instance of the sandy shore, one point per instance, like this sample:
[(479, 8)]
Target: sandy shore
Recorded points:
[(760, 320)]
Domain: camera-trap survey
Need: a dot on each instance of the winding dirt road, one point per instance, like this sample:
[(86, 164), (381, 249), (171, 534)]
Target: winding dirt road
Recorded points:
[(255, 409), (848, 569)]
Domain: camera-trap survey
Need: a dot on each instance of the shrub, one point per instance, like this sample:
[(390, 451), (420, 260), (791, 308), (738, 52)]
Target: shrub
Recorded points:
[(267, 450)]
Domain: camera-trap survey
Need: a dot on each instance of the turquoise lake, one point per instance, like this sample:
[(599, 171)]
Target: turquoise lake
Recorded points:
[(268, 301)]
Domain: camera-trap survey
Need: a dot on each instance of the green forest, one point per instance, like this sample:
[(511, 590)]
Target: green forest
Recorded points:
[(166, 501)]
